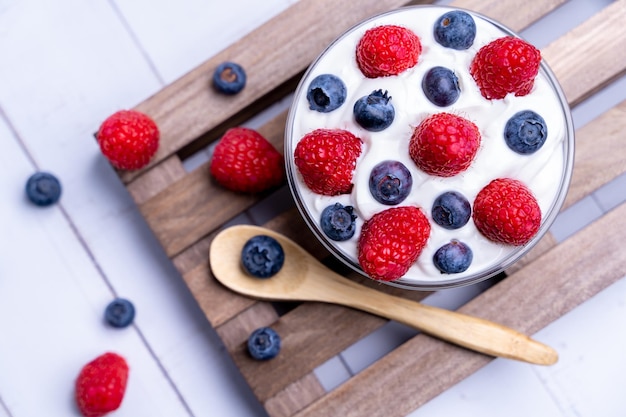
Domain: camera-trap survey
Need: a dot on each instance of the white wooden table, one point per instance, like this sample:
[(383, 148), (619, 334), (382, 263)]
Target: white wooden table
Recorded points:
[(64, 67)]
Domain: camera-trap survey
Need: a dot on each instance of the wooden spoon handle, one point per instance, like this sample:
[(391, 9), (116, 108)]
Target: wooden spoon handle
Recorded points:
[(471, 332)]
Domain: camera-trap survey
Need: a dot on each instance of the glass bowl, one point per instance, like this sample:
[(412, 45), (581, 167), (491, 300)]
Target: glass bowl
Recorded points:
[(547, 172)]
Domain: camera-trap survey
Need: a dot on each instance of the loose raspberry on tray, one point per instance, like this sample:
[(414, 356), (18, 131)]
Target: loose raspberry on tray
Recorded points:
[(128, 139), (506, 211), (244, 161), (326, 159), (387, 50), (444, 144), (505, 65), (391, 241)]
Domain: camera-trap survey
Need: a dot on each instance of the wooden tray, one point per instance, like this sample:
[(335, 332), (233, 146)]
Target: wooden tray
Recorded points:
[(185, 209)]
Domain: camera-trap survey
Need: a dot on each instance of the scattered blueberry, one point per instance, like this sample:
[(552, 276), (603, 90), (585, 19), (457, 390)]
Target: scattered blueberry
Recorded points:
[(441, 86), (455, 29), (390, 182), (119, 313), (229, 78), (525, 132), (264, 343), (262, 256), (326, 93), (43, 189), (374, 112), (338, 222), (451, 210), (453, 257)]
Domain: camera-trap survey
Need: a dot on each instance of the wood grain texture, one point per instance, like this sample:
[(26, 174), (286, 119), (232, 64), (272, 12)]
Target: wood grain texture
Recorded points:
[(295, 397), (157, 179), (516, 14), (189, 108), (600, 151), (235, 332), (209, 293), (590, 56), (528, 301)]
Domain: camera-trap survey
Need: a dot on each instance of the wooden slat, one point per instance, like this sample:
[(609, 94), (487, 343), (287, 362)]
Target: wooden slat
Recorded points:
[(235, 332), (156, 180), (515, 14), (188, 108), (591, 55), (295, 397), (528, 301), (599, 156)]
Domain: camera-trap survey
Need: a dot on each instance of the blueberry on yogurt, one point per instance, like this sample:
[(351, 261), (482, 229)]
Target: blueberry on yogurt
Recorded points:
[(338, 222), (326, 93), (374, 112), (390, 182), (453, 257), (525, 132), (455, 29), (451, 210), (441, 86)]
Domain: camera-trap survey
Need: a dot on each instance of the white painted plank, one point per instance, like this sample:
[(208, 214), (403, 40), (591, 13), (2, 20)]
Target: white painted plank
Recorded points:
[(589, 378), (178, 36), (77, 93), (52, 301)]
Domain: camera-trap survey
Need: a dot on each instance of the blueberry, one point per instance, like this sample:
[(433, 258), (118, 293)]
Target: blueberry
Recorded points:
[(326, 93), (441, 86), (455, 29), (390, 182), (451, 210), (264, 343), (229, 78), (453, 257), (262, 256), (525, 132), (43, 189), (374, 112), (119, 313), (338, 222)]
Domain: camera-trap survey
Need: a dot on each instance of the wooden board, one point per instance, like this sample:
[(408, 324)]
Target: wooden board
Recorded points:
[(185, 210)]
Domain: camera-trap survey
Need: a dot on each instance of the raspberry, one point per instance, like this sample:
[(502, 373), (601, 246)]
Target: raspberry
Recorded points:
[(387, 50), (326, 159), (101, 385), (444, 144), (128, 139), (506, 211), (244, 161), (505, 65), (391, 241)]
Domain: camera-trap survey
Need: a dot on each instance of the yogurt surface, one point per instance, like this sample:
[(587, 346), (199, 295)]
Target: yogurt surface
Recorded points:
[(546, 172)]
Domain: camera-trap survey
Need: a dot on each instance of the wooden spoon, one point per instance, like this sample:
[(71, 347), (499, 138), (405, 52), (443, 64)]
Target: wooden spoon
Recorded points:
[(304, 278)]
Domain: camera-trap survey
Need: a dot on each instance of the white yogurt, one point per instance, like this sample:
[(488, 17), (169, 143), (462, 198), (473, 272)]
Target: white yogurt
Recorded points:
[(544, 172)]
